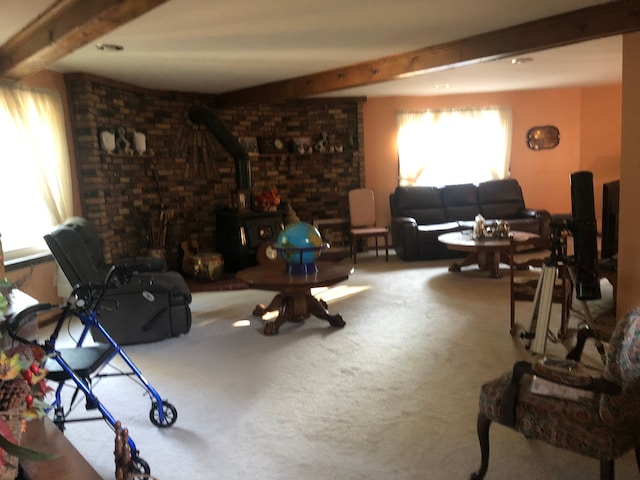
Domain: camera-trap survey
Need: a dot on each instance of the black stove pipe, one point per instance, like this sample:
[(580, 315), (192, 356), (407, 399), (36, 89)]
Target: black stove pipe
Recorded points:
[(202, 115)]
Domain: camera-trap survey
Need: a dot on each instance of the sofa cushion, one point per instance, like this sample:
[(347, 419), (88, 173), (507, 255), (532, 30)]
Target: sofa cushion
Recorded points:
[(461, 201), (417, 198), (458, 195), (440, 227), (422, 203), (501, 199)]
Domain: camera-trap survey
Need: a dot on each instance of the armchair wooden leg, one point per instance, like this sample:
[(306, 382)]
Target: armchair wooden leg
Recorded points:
[(483, 436), (607, 470), (386, 247), (354, 248)]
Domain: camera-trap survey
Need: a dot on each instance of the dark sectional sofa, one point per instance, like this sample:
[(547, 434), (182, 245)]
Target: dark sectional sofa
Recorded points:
[(420, 214)]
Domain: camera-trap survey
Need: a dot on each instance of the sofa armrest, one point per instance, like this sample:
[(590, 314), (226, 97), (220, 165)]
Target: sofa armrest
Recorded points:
[(543, 217), (404, 235)]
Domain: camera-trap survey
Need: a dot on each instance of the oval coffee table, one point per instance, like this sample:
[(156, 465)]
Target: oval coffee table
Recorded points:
[(487, 253), (295, 302)]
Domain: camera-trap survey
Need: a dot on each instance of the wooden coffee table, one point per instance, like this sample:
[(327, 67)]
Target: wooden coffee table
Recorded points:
[(295, 302), (487, 253)]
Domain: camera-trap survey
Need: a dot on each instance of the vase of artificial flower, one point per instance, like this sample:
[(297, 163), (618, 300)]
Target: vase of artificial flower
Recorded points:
[(22, 389), (12, 407)]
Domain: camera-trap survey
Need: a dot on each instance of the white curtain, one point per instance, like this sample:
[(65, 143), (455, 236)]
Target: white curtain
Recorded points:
[(34, 166), (444, 147)]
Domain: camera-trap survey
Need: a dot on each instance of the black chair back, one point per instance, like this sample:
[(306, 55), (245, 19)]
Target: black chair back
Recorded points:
[(73, 257)]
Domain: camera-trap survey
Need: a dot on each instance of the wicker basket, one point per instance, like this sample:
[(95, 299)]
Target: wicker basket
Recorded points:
[(12, 405)]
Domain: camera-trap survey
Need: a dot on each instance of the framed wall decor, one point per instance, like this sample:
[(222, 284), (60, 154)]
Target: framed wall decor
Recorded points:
[(302, 145), (271, 145), (543, 137)]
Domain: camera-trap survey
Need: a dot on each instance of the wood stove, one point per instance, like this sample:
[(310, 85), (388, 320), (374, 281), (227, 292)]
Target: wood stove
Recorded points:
[(238, 235)]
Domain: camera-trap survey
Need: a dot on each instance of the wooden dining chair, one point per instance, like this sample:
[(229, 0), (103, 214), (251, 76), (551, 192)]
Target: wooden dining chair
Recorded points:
[(362, 221), (526, 257)]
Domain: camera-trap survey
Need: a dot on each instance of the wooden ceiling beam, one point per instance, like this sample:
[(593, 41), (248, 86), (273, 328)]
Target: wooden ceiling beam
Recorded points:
[(590, 23), (66, 26)]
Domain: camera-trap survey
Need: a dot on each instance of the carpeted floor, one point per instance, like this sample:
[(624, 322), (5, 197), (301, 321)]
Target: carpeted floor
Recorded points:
[(392, 395)]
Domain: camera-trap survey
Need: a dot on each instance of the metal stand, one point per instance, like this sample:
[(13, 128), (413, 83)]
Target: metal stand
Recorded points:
[(541, 314), (539, 331)]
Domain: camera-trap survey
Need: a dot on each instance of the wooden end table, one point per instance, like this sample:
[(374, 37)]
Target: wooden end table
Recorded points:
[(294, 301), (487, 253)]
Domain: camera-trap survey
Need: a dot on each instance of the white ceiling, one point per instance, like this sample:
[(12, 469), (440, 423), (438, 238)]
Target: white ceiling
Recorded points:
[(215, 46)]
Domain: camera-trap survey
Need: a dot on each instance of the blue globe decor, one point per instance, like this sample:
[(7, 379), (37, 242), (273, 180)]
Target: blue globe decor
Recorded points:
[(300, 244)]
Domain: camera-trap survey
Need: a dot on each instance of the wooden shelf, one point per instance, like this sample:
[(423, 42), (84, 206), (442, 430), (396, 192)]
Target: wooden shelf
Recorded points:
[(43, 436), (288, 155)]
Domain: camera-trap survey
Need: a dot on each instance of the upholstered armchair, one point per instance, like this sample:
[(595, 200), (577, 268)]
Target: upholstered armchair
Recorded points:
[(95, 269), (593, 412), (149, 305)]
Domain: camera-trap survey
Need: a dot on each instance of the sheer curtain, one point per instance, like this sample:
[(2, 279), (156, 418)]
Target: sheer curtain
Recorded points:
[(34, 166), (444, 147)]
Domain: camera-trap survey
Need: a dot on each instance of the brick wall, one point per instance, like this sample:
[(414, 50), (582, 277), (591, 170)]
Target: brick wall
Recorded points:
[(185, 167)]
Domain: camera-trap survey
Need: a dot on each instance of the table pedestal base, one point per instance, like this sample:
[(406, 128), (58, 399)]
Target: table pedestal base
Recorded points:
[(489, 260), (295, 306)]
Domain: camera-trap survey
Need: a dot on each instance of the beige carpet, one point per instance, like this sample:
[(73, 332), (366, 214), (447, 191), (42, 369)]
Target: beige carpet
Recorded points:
[(393, 395)]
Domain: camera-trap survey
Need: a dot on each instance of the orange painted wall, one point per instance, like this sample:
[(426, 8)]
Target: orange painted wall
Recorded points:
[(600, 144), (544, 175)]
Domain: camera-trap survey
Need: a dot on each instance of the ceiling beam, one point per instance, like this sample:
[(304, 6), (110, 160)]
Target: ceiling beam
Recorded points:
[(66, 26), (590, 23)]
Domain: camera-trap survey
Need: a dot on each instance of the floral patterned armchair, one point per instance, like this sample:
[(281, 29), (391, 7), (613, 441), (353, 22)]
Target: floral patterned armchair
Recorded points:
[(588, 411)]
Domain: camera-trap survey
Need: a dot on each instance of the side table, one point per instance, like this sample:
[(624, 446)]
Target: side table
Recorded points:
[(488, 253), (294, 301)]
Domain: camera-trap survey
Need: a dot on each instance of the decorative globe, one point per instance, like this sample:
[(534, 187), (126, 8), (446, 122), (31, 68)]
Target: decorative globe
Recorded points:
[(300, 244)]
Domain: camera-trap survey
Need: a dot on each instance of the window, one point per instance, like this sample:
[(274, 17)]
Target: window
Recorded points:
[(444, 147), (34, 167)]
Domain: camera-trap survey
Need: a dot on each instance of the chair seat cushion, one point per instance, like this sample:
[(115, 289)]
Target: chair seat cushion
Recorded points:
[(568, 424), (369, 231), (83, 361)]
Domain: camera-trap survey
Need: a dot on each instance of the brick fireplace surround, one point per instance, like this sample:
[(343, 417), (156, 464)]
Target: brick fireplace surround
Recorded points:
[(118, 190)]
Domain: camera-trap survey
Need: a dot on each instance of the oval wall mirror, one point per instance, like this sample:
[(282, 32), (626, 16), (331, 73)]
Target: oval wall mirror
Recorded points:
[(541, 138)]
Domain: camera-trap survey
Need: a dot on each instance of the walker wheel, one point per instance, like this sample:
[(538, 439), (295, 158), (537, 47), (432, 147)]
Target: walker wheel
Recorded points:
[(59, 418), (139, 469), (169, 411)]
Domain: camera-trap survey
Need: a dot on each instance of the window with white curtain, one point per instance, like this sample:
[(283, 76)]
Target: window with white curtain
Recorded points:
[(34, 168), (445, 147)]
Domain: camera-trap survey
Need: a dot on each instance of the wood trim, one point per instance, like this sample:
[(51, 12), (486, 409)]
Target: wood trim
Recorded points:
[(66, 26), (71, 24), (590, 23)]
